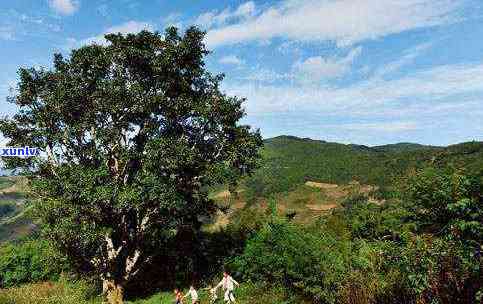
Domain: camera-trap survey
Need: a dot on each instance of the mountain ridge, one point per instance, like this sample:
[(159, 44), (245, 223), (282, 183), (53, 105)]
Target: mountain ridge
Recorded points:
[(384, 147)]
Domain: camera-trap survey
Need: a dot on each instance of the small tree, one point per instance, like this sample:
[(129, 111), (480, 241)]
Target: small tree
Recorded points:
[(132, 133), (447, 203)]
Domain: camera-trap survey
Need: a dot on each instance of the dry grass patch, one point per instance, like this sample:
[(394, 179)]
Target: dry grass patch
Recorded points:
[(61, 292), (325, 207), (321, 185)]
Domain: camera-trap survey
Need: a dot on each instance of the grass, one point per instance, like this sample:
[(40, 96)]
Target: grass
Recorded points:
[(62, 292), (247, 293), (80, 292)]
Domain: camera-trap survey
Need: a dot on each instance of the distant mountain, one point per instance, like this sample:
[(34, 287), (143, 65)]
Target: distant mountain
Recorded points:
[(403, 147), (289, 161), (397, 147)]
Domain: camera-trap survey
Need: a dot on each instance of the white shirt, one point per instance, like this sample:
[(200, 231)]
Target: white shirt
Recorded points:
[(227, 283), (193, 294)]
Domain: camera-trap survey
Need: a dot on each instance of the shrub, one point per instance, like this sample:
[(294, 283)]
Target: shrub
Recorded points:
[(283, 253), (6, 208), (30, 261), (447, 202), (437, 270), (61, 292)]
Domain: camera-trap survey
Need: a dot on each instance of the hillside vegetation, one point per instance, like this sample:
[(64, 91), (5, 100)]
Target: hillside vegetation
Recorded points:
[(317, 222), (291, 161), (14, 221)]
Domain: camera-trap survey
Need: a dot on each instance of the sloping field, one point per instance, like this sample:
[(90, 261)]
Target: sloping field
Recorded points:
[(304, 204), (15, 224)]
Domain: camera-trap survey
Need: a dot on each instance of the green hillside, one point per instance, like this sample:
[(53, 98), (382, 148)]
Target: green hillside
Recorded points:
[(324, 195), (14, 221), (405, 147), (289, 161)]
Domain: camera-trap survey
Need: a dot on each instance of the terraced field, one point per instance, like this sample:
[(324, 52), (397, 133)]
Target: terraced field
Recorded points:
[(14, 221)]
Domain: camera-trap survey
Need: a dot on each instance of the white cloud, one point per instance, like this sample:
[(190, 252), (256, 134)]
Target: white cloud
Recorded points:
[(16, 25), (408, 57), (395, 126), (3, 142), (6, 33), (173, 19), (130, 27), (245, 9), (103, 10), (428, 88), (345, 21), (314, 69), (231, 59), (266, 75), (64, 7), (215, 18), (310, 70), (125, 28)]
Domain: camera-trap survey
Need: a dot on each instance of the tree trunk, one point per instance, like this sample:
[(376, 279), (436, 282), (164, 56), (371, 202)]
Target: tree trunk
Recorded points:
[(114, 292)]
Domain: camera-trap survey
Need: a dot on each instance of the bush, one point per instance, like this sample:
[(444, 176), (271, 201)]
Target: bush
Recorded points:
[(424, 249), (61, 292), (30, 261), (6, 208), (446, 202), (311, 264), (373, 222), (436, 270)]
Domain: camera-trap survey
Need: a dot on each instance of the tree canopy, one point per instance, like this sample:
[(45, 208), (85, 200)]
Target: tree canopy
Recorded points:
[(132, 133)]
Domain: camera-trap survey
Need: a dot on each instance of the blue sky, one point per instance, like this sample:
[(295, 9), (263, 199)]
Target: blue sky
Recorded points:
[(353, 71)]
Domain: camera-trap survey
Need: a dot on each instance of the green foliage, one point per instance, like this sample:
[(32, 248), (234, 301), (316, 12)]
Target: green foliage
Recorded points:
[(289, 161), (311, 263), (60, 292), (425, 249), (247, 293), (362, 253), (447, 202), (29, 261), (6, 208), (133, 132), (375, 222), (247, 221), (436, 270)]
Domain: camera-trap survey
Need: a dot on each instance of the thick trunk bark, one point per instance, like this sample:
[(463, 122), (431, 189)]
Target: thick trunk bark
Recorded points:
[(114, 292)]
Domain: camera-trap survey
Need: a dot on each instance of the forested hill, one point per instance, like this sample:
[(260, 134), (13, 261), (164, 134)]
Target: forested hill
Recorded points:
[(400, 147), (289, 161)]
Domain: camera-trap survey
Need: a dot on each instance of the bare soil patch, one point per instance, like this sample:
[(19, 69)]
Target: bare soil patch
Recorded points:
[(325, 207), (321, 185)]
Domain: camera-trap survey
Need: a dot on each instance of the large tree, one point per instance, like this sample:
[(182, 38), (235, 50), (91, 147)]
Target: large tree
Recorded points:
[(132, 132)]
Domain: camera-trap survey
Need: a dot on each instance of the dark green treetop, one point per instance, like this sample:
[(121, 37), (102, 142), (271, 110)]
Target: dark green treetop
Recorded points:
[(132, 132)]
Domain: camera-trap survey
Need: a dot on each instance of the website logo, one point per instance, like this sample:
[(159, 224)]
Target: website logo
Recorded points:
[(19, 151)]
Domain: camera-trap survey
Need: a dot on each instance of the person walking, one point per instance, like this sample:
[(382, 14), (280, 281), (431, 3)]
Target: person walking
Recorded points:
[(193, 294), (178, 296), (228, 285)]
